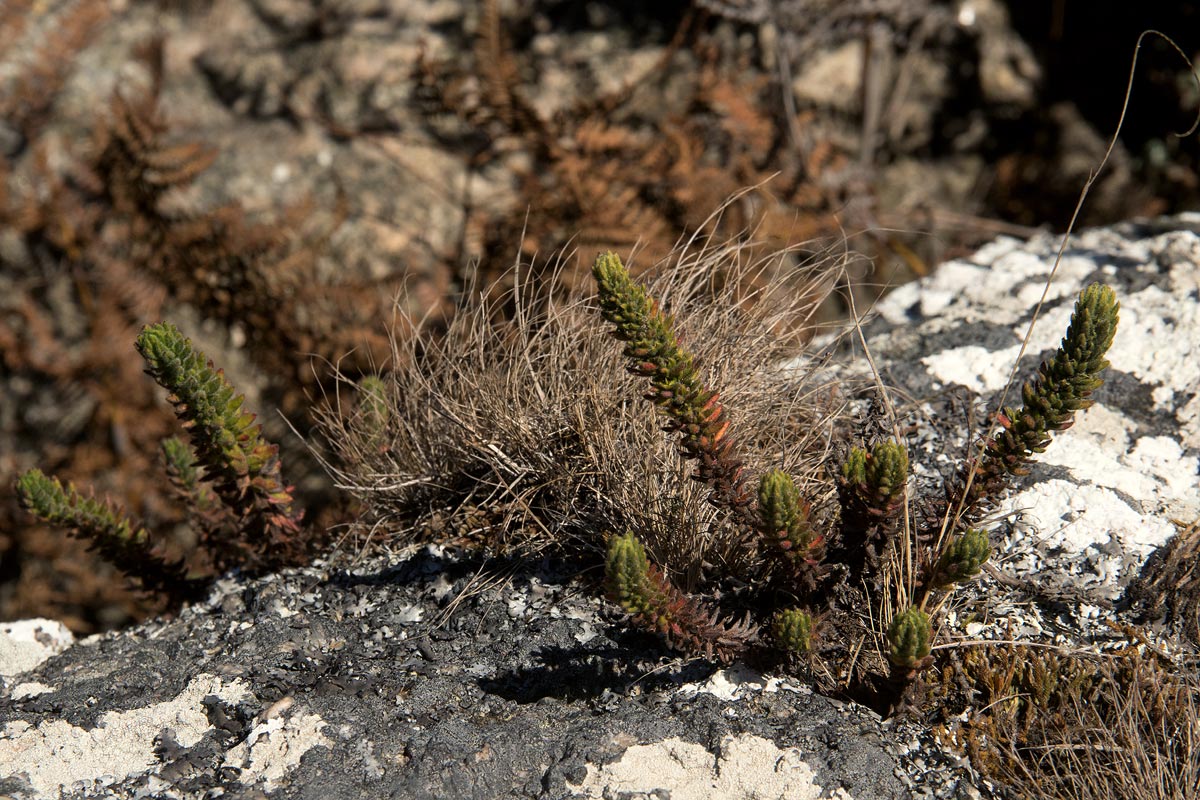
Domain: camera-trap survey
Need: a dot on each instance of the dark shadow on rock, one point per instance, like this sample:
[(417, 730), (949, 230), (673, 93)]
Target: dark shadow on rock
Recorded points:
[(589, 674), (456, 564)]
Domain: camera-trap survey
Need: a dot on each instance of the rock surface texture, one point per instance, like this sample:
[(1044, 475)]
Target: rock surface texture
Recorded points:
[(407, 681), (412, 678), (1106, 493)]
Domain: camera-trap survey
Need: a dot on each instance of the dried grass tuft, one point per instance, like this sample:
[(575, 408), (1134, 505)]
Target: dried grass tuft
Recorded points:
[(522, 431), (1082, 726)]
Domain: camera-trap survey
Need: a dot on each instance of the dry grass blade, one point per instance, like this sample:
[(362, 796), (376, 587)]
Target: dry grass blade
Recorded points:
[(1079, 725), (1147, 745), (526, 434)]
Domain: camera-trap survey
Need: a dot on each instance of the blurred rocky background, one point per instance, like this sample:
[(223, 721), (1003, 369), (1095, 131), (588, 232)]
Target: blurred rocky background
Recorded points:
[(274, 175)]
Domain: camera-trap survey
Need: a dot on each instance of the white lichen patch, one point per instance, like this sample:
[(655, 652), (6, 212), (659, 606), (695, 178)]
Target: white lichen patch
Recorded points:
[(988, 371), (1189, 420), (743, 768), (1162, 457), (1071, 518), (275, 747), (977, 368), (739, 680), (26, 643), (32, 689), (982, 287), (1087, 533), (1098, 450), (1158, 340), (54, 756)]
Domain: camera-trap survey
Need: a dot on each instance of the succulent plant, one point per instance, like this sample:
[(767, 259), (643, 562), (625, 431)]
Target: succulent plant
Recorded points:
[(871, 492), (909, 636), (107, 530), (849, 568), (792, 629), (372, 399), (185, 475), (242, 467), (695, 411), (962, 558), (228, 477), (1063, 385), (878, 477), (644, 592), (785, 518)]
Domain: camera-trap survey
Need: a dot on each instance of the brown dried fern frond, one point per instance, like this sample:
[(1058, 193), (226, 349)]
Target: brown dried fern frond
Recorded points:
[(48, 43), (260, 276), (137, 165), (602, 175), (533, 415)]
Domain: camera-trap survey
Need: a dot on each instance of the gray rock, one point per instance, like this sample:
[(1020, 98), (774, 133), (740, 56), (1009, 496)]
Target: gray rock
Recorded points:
[(327, 683)]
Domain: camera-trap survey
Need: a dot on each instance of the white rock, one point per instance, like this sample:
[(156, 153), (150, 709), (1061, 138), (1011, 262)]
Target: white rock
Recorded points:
[(26, 643), (55, 755), (745, 767)]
